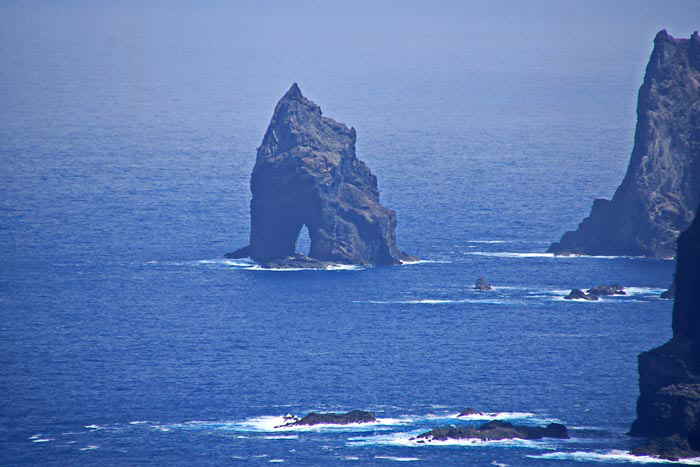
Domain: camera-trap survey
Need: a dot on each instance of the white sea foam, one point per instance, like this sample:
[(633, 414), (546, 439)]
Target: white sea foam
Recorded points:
[(275, 423), (276, 461), (42, 440), (559, 294), (441, 301), (487, 241), (138, 422), (330, 267), (398, 459), (424, 261), (577, 300), (410, 440), (350, 458), (613, 456), (94, 427), (248, 265), (506, 254), (513, 254), (37, 436), (644, 290), (271, 424), (227, 262), (90, 447)]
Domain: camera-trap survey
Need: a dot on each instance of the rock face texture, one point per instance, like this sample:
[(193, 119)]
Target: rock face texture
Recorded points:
[(661, 189), (494, 430), (578, 294), (307, 173), (315, 418), (668, 409)]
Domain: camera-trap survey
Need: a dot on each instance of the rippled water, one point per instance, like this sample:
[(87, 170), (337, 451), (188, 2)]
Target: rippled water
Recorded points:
[(127, 143)]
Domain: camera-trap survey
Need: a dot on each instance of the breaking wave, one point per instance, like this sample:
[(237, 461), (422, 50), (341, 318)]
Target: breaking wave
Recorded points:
[(409, 439), (398, 459), (247, 265), (613, 456), (512, 254)]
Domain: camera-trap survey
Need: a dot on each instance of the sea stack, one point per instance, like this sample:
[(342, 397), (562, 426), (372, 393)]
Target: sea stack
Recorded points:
[(307, 173), (668, 409), (661, 189)]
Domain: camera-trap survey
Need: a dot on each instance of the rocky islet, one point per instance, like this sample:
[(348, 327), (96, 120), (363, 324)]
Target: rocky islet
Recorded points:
[(307, 174)]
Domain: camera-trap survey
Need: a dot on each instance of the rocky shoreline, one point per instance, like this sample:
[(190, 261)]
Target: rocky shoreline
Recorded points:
[(668, 408)]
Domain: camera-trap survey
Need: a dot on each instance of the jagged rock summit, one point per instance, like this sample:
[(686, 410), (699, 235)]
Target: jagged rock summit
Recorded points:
[(668, 409), (661, 189), (307, 173)]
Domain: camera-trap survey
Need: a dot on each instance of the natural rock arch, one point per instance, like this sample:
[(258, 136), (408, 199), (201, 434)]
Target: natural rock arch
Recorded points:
[(306, 173)]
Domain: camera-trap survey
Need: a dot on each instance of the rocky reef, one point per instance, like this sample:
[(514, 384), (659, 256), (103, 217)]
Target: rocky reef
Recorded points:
[(330, 418), (307, 174), (594, 293), (603, 290), (661, 189), (668, 409), (578, 294), (492, 431)]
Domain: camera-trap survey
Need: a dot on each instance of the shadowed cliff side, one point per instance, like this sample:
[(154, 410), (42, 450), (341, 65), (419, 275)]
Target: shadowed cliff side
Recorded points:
[(658, 196), (307, 173), (668, 409)]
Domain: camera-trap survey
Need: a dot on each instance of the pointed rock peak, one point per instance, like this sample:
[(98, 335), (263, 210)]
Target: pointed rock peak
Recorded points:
[(294, 93), (663, 35)]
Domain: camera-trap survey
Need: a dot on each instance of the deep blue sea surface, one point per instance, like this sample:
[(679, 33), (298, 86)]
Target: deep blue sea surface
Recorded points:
[(127, 138)]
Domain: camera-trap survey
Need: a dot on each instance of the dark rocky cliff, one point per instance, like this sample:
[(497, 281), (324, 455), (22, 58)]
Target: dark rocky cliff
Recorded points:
[(668, 408), (307, 173), (658, 196)]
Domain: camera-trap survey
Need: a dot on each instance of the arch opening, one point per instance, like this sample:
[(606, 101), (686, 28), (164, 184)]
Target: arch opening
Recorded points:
[(303, 241)]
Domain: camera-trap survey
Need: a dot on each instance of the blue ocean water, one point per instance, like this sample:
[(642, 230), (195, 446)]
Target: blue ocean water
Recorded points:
[(127, 138)]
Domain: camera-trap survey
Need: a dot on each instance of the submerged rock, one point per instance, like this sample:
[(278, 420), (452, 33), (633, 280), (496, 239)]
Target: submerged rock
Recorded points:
[(495, 430), (578, 294), (668, 408), (482, 284), (602, 290), (316, 418), (307, 173), (661, 189)]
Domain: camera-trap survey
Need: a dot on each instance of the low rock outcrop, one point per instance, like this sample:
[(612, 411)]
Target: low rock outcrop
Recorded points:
[(307, 173), (661, 189), (603, 290), (482, 284), (668, 409), (578, 294), (469, 411), (494, 430), (315, 418)]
